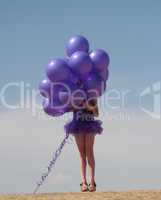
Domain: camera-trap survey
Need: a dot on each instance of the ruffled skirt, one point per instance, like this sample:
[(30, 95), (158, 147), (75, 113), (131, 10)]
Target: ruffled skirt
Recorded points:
[(77, 126)]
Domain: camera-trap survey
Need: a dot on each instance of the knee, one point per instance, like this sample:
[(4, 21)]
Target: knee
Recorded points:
[(89, 156), (83, 156)]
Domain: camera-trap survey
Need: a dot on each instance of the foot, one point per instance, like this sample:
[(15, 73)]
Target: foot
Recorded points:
[(92, 187), (84, 187)]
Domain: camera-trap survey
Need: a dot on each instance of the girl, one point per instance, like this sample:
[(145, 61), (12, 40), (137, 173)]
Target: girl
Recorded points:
[(84, 128)]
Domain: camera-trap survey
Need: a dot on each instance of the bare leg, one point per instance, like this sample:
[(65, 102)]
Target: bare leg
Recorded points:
[(89, 142), (80, 141)]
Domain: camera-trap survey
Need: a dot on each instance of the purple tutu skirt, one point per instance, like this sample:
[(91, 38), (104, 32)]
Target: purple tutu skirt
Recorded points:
[(77, 126)]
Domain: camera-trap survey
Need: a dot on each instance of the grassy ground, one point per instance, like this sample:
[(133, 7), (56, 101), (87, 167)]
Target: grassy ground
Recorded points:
[(129, 195)]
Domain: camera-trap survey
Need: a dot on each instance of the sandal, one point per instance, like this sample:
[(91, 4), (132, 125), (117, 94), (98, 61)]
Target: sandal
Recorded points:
[(84, 187), (92, 188)]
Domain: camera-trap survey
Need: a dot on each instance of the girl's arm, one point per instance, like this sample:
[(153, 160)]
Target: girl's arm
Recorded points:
[(92, 106)]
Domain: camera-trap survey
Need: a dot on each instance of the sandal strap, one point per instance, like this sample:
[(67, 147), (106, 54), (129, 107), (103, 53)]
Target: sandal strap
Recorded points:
[(94, 184), (83, 183)]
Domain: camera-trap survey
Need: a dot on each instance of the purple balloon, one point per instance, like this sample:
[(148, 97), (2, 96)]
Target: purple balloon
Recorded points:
[(66, 59), (50, 89), (80, 63), (51, 109), (64, 97), (100, 59), (104, 74), (74, 78), (66, 91), (58, 70), (45, 88), (77, 43), (94, 85), (74, 97)]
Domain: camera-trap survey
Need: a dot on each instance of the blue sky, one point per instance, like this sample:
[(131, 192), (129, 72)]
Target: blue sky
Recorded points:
[(34, 31)]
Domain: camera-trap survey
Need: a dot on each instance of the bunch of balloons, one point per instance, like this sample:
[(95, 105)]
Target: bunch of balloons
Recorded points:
[(82, 75)]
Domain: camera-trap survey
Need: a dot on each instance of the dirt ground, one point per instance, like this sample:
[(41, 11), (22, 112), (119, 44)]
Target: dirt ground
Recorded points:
[(129, 195)]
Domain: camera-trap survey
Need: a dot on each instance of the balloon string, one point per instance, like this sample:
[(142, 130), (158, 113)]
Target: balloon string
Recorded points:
[(52, 163)]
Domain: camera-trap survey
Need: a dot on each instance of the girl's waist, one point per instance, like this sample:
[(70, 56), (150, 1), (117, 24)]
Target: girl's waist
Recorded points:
[(83, 116)]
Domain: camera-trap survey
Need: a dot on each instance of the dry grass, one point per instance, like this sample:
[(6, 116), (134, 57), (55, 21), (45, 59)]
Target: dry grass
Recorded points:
[(129, 195)]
